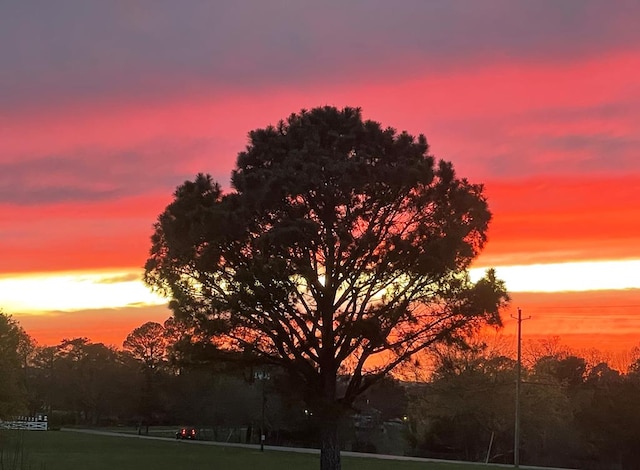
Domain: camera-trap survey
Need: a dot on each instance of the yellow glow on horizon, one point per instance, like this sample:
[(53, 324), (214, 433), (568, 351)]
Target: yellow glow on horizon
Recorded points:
[(564, 277), (69, 291)]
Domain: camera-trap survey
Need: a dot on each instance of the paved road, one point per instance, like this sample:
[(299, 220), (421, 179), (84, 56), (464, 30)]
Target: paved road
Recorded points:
[(297, 449)]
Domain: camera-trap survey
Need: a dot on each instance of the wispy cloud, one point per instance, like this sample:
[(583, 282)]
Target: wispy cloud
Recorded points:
[(96, 174), (157, 48)]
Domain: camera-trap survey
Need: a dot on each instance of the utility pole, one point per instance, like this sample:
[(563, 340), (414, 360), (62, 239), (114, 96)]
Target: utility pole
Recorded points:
[(516, 433)]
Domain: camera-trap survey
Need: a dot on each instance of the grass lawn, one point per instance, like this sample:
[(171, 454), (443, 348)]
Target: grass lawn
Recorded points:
[(58, 450)]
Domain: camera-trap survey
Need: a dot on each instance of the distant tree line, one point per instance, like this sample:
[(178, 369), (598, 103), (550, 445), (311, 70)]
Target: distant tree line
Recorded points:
[(576, 411)]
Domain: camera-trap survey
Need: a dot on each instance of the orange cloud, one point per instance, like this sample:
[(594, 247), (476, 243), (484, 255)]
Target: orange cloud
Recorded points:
[(545, 219), (108, 326), (607, 320)]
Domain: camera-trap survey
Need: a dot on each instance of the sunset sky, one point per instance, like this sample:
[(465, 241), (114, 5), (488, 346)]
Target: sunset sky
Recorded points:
[(105, 107)]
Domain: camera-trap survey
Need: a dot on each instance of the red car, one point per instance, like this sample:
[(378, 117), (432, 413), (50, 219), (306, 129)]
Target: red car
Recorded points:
[(186, 433)]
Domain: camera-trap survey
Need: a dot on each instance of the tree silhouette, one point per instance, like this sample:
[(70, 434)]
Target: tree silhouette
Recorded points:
[(342, 249), (148, 344)]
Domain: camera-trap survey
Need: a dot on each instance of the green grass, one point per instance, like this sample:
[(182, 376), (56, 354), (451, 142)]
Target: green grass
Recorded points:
[(58, 450)]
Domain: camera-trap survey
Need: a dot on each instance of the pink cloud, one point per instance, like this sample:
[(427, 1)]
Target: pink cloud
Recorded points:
[(79, 235), (509, 101), (543, 137)]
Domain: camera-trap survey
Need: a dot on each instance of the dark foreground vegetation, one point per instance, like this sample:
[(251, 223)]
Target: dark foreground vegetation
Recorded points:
[(577, 412)]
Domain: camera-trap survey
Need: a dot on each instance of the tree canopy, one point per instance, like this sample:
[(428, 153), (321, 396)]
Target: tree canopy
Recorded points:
[(147, 343), (15, 346), (341, 249)]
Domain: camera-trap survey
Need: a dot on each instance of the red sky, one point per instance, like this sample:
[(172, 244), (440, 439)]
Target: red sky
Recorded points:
[(105, 109)]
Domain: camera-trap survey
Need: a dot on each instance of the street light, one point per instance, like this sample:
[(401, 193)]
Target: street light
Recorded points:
[(262, 376)]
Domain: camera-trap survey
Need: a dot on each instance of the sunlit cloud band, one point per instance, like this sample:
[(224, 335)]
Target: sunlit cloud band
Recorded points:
[(74, 291), (565, 277)]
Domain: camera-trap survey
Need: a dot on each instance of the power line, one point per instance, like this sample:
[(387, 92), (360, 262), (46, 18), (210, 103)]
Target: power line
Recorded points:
[(546, 307)]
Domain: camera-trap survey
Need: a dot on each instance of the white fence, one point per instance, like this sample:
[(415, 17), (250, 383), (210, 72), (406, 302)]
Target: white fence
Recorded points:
[(28, 423)]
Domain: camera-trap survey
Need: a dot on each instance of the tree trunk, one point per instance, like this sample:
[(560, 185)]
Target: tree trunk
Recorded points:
[(330, 446), (329, 408), (329, 414)]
